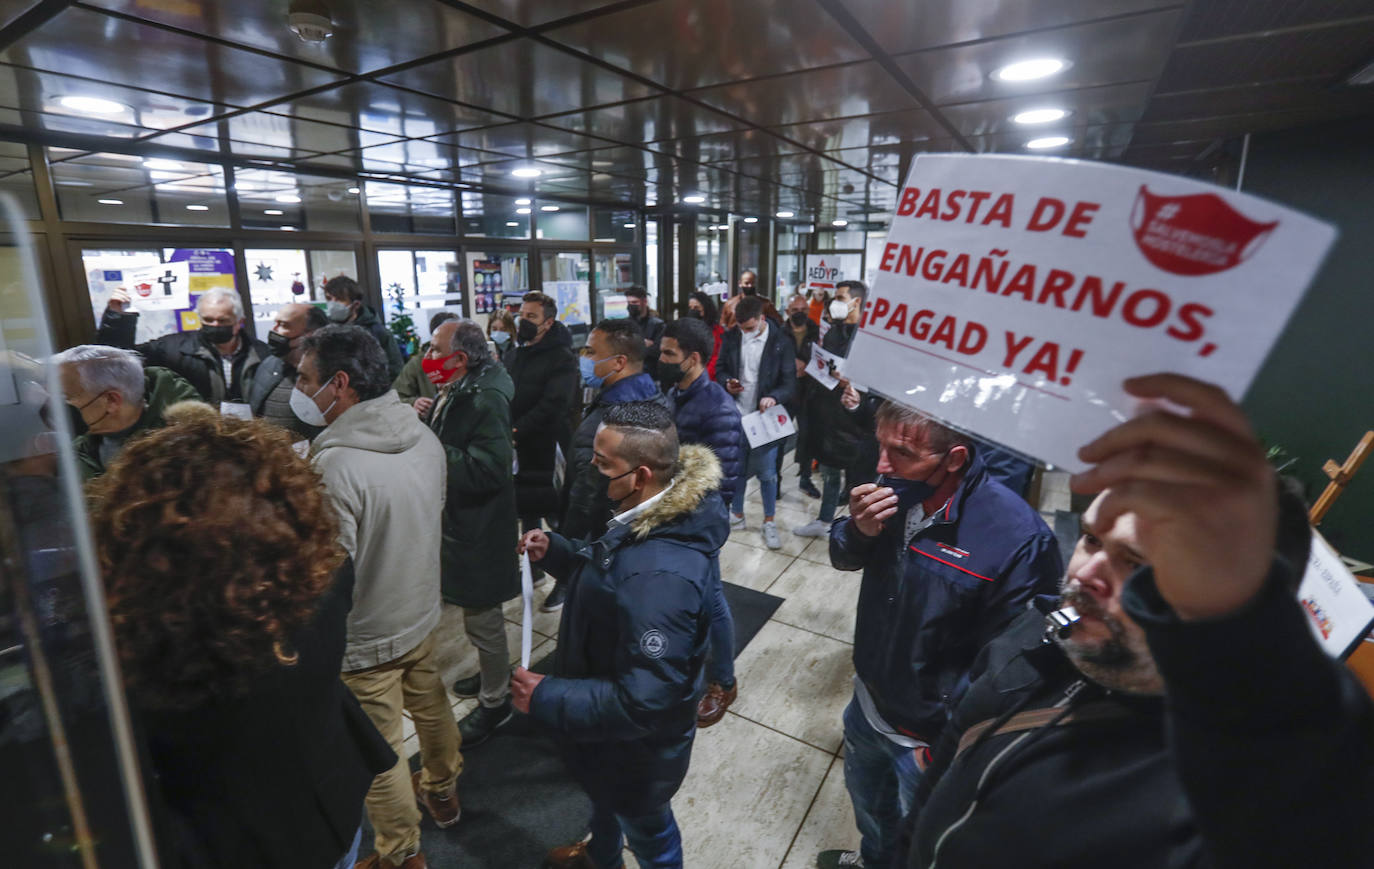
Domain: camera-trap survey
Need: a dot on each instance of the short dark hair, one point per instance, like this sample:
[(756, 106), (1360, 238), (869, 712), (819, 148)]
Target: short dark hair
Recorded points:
[(550, 306), (352, 350), (693, 336), (748, 308), (940, 438), (650, 438), (710, 312), (637, 292), (439, 319), (315, 319), (343, 287), (857, 289), (625, 337)]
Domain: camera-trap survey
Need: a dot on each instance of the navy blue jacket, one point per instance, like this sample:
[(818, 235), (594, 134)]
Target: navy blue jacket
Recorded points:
[(588, 508), (632, 643), (928, 605), (706, 414), (777, 368)]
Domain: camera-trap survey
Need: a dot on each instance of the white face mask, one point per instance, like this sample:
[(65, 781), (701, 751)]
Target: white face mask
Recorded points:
[(839, 309), (305, 409)]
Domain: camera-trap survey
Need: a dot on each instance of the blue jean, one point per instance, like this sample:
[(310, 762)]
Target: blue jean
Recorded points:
[(761, 463), (352, 856), (830, 492), (881, 777), (654, 839), (720, 665)]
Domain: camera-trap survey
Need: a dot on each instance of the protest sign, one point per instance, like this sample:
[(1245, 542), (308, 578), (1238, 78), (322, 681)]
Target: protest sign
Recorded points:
[(823, 272), (1337, 610), (1014, 294), (166, 287), (762, 427), (824, 366)]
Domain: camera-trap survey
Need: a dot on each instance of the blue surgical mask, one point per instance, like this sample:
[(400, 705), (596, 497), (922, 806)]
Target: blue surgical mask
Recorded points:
[(499, 337), (588, 367)]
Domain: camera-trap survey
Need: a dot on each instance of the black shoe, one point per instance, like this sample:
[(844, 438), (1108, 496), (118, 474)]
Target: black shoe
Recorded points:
[(478, 725), (809, 487), (468, 688), (554, 602)]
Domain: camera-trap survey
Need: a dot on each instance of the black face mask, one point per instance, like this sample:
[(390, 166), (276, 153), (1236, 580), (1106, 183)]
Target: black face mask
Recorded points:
[(671, 373), (749, 291), (279, 344), (218, 334), (798, 318), (636, 312), (526, 331), (695, 314)]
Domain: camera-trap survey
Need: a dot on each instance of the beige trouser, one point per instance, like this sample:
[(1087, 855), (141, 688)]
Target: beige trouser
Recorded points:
[(413, 682)]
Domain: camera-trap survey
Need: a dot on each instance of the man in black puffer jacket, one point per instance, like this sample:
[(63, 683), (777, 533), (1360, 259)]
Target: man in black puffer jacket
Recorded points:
[(706, 414)]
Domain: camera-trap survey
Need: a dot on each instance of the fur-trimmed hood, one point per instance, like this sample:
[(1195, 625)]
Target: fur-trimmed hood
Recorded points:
[(698, 476)]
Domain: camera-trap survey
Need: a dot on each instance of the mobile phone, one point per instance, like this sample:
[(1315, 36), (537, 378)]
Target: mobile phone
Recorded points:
[(491, 349)]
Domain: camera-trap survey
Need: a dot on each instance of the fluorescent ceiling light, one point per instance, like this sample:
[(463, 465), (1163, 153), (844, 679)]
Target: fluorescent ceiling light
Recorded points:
[(289, 198), (1048, 142), (197, 208), (723, 226), (548, 208), (751, 220), (694, 199), (522, 202), (526, 172), (275, 212), (1030, 70), (93, 105), (785, 214), (158, 163), (629, 226), (522, 211), (110, 201), (512, 223), (355, 190), (839, 222), (1039, 116)]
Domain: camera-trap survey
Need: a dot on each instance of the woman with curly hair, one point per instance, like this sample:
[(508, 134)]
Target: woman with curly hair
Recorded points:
[(228, 593)]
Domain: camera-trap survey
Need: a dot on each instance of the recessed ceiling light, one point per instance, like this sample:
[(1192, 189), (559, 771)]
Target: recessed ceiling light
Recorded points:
[(94, 105), (840, 222), (512, 223), (785, 214), (522, 211), (1039, 116), (355, 190), (158, 163), (751, 220), (288, 198), (289, 228), (629, 226), (275, 212), (1048, 142), (723, 226), (197, 208), (548, 208), (522, 202), (694, 199), (110, 201), (1029, 70), (526, 172)]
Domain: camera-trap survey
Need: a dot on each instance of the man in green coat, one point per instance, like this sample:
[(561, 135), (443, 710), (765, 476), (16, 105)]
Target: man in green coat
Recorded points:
[(471, 416), (117, 399), (414, 388)]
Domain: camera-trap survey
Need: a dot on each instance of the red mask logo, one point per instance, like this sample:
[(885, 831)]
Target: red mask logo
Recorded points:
[(144, 290), (1194, 235)]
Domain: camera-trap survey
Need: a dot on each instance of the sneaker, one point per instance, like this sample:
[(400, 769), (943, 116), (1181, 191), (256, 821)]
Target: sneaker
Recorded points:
[(443, 808), (809, 488), (478, 725), (557, 597), (375, 861), (814, 528), (466, 689), (711, 708), (839, 860), (736, 521), (770, 535)]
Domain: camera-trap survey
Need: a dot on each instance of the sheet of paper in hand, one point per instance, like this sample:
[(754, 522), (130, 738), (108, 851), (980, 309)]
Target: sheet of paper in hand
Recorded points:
[(166, 287), (1337, 610), (1015, 294), (822, 363), (762, 427)]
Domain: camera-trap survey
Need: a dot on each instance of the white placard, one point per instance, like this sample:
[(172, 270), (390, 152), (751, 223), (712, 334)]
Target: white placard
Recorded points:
[(719, 289), (1337, 610), (1014, 294), (527, 616), (236, 409), (821, 364), (823, 272), (165, 287), (763, 427)]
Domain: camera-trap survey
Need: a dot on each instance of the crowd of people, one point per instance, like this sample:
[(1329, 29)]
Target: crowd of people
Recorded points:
[(279, 524)]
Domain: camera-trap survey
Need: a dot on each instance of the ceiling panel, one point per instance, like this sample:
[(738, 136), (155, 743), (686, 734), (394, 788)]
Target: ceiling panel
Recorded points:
[(521, 77), (627, 162), (1221, 18), (533, 13), (367, 35), (833, 92), (72, 123), (40, 91), (383, 109), (650, 120), (86, 43), (1106, 52), (1260, 98), (280, 131), (723, 147), (523, 140), (211, 143), (1332, 53), (1086, 106), (684, 44), (867, 131)]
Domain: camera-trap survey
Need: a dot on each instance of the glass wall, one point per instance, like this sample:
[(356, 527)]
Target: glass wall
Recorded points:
[(487, 215), (122, 188), (562, 222), (291, 201), (712, 266), (749, 251)]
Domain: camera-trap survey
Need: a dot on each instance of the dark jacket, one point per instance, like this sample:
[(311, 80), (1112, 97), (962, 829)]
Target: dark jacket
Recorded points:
[(1262, 756), (270, 372), (588, 508), (652, 328), (706, 414), (368, 319), (926, 606), (632, 642), (412, 382), (190, 356), (836, 435), (546, 385), (297, 746), (472, 420), (161, 390), (777, 368)]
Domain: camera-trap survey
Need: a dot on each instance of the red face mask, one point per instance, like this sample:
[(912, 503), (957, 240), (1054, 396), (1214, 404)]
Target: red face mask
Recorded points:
[(434, 369)]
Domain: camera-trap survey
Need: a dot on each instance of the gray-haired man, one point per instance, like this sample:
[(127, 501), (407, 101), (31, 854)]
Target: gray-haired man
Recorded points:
[(219, 359), (116, 397)]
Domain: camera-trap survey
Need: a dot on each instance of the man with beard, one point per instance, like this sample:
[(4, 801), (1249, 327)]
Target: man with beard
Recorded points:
[(748, 286), (1065, 751), (270, 393)]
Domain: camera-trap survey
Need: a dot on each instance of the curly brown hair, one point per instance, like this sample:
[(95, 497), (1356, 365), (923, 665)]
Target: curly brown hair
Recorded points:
[(216, 542)]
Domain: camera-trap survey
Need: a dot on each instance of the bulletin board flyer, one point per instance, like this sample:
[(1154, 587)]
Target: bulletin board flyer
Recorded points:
[(1015, 294)]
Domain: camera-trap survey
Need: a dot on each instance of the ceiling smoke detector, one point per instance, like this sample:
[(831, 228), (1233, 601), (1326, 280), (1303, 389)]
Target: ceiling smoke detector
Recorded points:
[(310, 21)]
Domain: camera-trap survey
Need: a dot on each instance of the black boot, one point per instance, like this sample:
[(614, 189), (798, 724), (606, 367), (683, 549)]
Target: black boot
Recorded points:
[(554, 602), (478, 725)]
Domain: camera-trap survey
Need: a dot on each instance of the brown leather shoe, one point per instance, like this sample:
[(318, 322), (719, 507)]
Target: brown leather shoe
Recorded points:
[(569, 857), (375, 861), (711, 708), (443, 808)]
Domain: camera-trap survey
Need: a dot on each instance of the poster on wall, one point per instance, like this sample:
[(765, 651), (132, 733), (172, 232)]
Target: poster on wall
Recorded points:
[(164, 287), (207, 269), (486, 286), (574, 301)]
